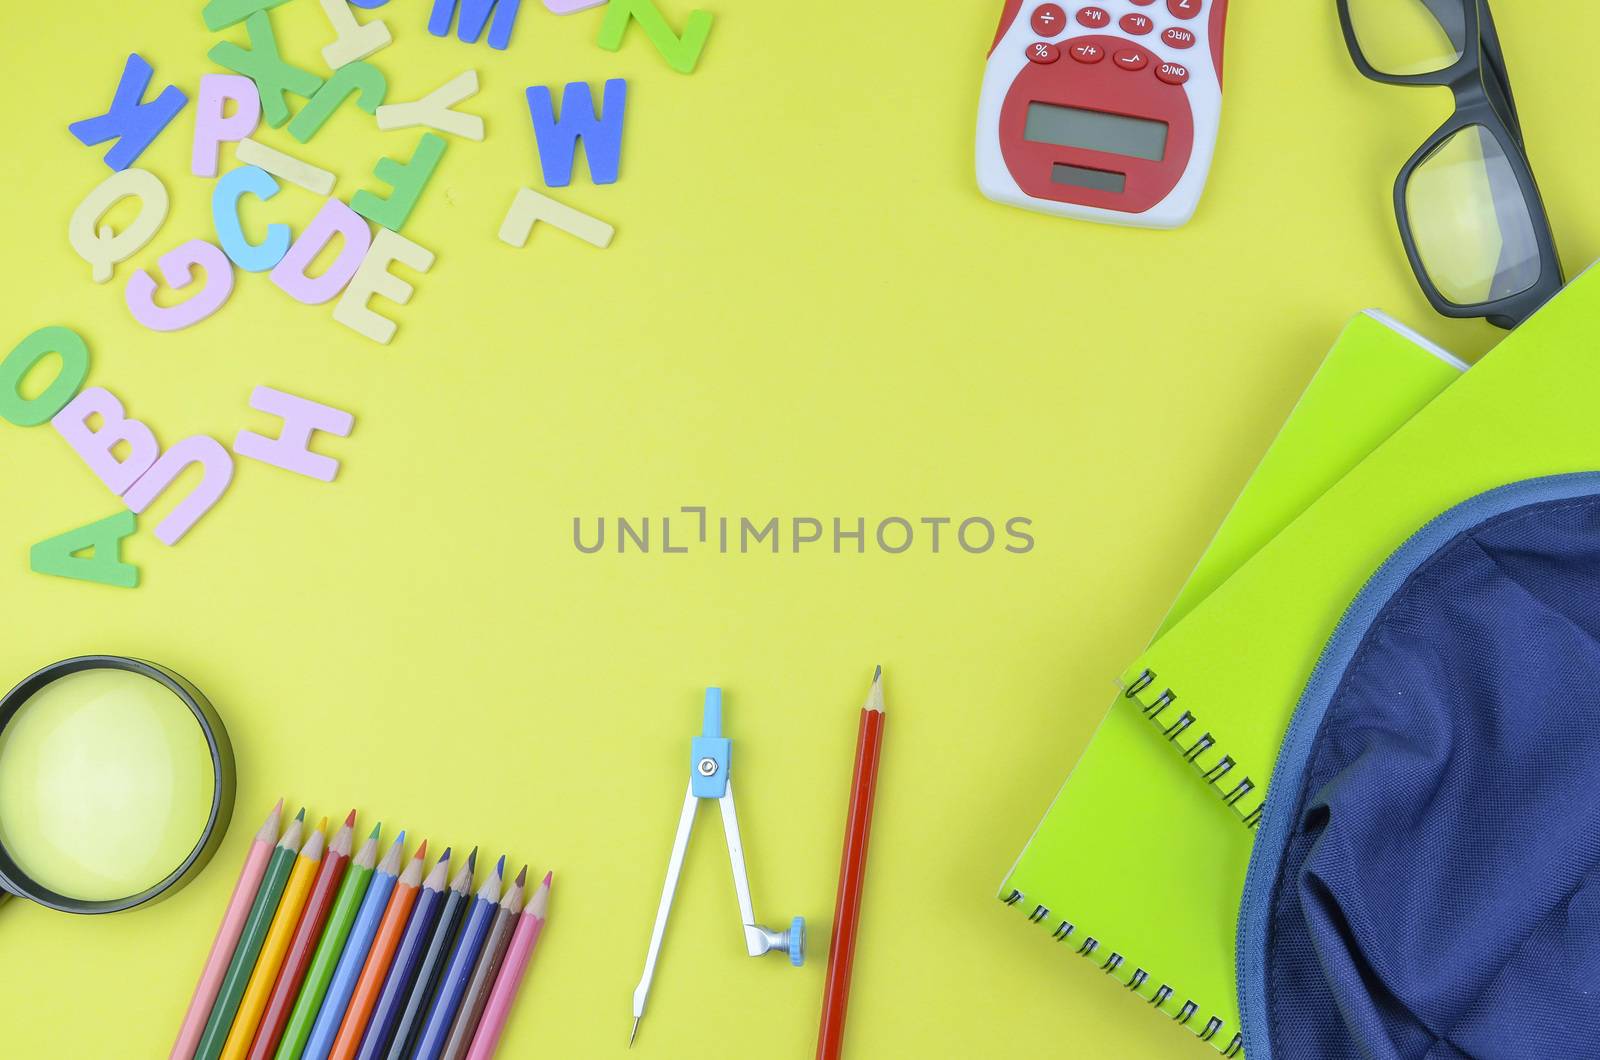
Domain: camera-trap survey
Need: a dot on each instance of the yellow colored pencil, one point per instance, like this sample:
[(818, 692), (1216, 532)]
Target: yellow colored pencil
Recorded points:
[(275, 945)]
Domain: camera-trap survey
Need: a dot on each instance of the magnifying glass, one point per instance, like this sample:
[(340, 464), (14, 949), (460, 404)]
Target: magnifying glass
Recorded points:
[(114, 776)]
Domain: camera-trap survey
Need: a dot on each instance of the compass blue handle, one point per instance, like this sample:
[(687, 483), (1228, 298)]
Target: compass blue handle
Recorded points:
[(709, 753), (797, 941)]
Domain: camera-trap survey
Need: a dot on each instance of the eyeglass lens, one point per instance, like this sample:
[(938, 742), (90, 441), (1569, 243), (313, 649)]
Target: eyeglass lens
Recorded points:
[(1470, 221), (1400, 37)]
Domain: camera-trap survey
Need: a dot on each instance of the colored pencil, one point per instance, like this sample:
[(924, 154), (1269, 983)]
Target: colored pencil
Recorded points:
[(529, 926), (390, 928), (228, 932), (453, 983), (320, 972), (407, 959), (485, 969), (306, 933), (409, 1028), (336, 1001), (852, 873), (255, 933), (277, 941)]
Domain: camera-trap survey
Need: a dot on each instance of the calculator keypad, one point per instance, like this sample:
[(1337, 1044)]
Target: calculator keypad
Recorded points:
[(1051, 20)]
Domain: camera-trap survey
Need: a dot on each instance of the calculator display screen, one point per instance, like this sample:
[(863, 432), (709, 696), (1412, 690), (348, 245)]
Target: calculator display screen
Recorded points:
[(1096, 130)]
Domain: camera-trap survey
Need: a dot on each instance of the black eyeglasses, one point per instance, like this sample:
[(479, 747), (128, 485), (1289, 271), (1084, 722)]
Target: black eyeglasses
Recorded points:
[(1470, 214)]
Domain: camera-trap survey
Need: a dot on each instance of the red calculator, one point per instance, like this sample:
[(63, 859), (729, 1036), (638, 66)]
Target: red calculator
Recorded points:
[(1106, 111)]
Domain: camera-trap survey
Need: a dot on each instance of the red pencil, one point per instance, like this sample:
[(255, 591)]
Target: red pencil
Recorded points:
[(301, 945), (852, 872)]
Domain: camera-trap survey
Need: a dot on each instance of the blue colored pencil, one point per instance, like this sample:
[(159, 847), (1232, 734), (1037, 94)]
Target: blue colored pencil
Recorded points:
[(453, 984), (456, 901), (326, 1027), (407, 959)]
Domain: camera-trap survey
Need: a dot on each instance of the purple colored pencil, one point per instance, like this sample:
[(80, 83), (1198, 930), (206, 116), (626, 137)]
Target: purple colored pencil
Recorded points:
[(407, 960)]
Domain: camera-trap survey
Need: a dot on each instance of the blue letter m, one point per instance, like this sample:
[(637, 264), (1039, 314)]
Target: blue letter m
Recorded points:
[(474, 16)]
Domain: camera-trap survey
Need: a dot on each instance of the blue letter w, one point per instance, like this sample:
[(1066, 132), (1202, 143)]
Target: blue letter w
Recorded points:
[(558, 138)]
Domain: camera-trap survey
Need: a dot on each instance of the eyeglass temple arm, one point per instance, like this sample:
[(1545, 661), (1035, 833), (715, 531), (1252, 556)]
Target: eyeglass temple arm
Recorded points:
[(1496, 81)]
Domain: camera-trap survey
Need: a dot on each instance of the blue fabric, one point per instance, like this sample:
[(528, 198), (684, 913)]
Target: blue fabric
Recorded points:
[(1425, 884)]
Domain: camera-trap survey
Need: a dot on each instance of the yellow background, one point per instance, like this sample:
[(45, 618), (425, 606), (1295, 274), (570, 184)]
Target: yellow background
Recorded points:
[(808, 310)]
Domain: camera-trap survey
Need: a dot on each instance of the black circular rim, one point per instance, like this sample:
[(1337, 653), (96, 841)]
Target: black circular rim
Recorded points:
[(18, 882)]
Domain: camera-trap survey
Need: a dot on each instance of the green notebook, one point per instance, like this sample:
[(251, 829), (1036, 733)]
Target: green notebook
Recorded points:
[(1131, 867), (1236, 664)]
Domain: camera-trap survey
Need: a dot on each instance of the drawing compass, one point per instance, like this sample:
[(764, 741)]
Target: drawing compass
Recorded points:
[(709, 755)]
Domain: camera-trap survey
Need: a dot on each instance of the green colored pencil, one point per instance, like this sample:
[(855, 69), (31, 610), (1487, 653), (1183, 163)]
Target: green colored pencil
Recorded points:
[(250, 940), (323, 962)]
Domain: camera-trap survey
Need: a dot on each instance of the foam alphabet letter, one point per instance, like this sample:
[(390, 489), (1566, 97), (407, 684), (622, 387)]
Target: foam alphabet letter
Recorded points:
[(74, 353), (262, 64), (291, 450), (95, 445), (374, 278), (529, 207), (295, 170), (346, 81), (474, 16), (130, 122), (355, 39), (220, 14), (567, 7), (681, 53), (218, 467), (101, 245), (407, 179), (251, 257), (558, 137), (59, 555), (212, 127), (177, 270), (334, 219), (433, 110), (368, 5)]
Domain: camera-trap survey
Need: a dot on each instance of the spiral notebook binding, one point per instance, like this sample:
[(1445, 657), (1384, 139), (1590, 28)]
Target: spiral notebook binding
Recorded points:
[(1241, 794), (1114, 964)]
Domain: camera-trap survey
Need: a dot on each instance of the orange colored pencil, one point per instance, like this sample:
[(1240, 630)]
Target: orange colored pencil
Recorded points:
[(370, 983)]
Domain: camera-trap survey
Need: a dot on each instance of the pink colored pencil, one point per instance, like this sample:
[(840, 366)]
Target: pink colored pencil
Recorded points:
[(233, 918), (506, 984)]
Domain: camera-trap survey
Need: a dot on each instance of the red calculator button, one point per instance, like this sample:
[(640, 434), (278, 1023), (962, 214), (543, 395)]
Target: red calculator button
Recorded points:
[(1130, 60), (1178, 37), (1049, 20), (1173, 73), (1043, 53), (1136, 25), (1144, 3), (1184, 8), (1087, 53), (1094, 17)]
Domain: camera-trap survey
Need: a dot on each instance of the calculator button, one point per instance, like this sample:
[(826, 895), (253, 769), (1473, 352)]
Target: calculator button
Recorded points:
[(1144, 3), (1049, 20), (1130, 60), (1087, 53), (1136, 25), (1094, 17), (1043, 53), (1172, 73), (1178, 37), (1183, 8)]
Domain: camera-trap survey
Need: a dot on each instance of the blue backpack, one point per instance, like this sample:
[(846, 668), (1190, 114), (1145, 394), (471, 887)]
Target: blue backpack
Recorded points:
[(1425, 882)]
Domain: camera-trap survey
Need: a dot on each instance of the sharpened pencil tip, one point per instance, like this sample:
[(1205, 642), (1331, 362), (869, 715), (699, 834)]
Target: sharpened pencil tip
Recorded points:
[(446, 855), (472, 859), (400, 840), (500, 866), (322, 825), (422, 851), (301, 815), (376, 830), (548, 877), (877, 673), (522, 877), (350, 819)]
